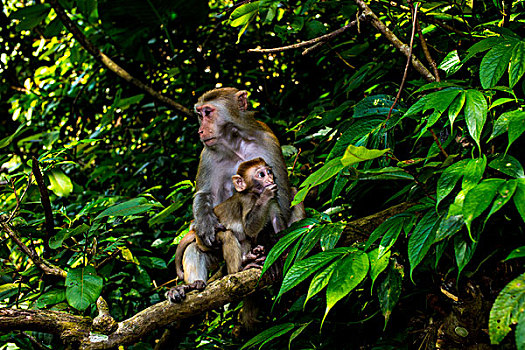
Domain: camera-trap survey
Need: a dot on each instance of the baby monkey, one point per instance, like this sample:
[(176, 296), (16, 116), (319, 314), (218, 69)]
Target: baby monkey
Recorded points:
[(242, 217)]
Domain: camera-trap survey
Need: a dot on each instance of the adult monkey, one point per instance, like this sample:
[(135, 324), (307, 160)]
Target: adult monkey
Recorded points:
[(231, 135)]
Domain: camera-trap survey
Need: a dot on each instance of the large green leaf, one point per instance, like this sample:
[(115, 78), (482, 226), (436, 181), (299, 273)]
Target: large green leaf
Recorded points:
[(507, 309), (475, 113), (132, 207), (30, 16), (516, 128), (348, 273), (331, 235), (517, 63), (357, 130), (455, 107), (422, 238), (394, 223), (494, 64), (502, 123), (505, 192), (464, 249), (83, 287)]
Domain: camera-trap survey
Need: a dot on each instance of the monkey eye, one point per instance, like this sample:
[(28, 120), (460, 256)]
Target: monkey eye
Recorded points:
[(261, 174), (270, 172)]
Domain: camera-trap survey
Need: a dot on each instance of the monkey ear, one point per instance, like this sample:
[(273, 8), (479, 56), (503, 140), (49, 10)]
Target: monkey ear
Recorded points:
[(242, 99), (238, 183)]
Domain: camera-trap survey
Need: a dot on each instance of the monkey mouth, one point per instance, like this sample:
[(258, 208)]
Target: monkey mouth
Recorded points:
[(210, 141)]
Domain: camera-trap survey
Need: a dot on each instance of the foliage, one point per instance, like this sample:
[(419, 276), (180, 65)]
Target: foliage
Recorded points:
[(119, 166)]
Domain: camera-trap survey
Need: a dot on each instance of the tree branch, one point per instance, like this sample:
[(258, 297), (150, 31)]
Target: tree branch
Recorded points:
[(77, 329), (48, 212), (314, 42), (42, 264), (110, 64), (404, 48)]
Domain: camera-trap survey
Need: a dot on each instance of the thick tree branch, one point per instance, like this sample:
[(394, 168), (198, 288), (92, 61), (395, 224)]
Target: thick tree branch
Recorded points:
[(42, 264), (404, 48), (110, 64), (77, 330)]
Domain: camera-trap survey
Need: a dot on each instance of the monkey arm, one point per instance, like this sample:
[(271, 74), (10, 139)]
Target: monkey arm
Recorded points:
[(205, 220), (256, 217)]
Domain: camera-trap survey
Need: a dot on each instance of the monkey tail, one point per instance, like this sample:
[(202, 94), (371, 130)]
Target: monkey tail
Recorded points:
[(179, 253)]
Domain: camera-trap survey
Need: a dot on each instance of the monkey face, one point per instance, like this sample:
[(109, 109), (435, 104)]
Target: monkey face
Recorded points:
[(262, 178), (208, 118)]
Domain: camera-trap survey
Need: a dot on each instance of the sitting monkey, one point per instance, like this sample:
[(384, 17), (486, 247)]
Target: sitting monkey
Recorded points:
[(243, 216)]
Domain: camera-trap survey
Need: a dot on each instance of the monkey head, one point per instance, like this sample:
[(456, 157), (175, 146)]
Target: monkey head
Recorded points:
[(254, 176), (218, 111)]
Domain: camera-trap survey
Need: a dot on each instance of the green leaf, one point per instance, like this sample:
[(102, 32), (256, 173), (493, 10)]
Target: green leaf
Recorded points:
[(320, 281), (30, 16), (331, 236), (494, 64), (244, 13), (507, 309), (132, 207), (6, 141), (309, 241), (464, 249), (269, 334), (304, 268), (355, 154), (516, 128), (483, 45), (475, 114), (473, 173), (519, 198), (505, 192), (389, 292), (392, 224), (449, 178), (501, 101), (374, 105), (502, 123), (451, 63), (348, 273), (508, 165), (517, 63), (357, 130), (377, 264), (455, 107), (297, 332), (292, 234), (448, 227), (56, 241), (479, 198), (52, 297), (83, 287), (163, 216), (391, 235), (516, 253), (61, 184), (422, 238), (326, 172)]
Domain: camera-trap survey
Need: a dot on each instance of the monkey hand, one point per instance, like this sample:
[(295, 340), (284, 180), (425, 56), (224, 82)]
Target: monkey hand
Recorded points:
[(269, 192), (205, 229)]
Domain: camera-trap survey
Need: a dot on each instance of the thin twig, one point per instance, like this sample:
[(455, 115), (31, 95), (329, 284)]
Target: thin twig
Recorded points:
[(424, 46), (436, 140), (409, 58), (313, 41), (18, 203)]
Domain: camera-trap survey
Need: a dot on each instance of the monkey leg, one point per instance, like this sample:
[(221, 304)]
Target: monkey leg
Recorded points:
[(231, 250), (196, 264)]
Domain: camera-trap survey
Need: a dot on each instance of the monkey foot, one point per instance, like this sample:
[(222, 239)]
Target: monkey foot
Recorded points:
[(255, 258), (178, 293)]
